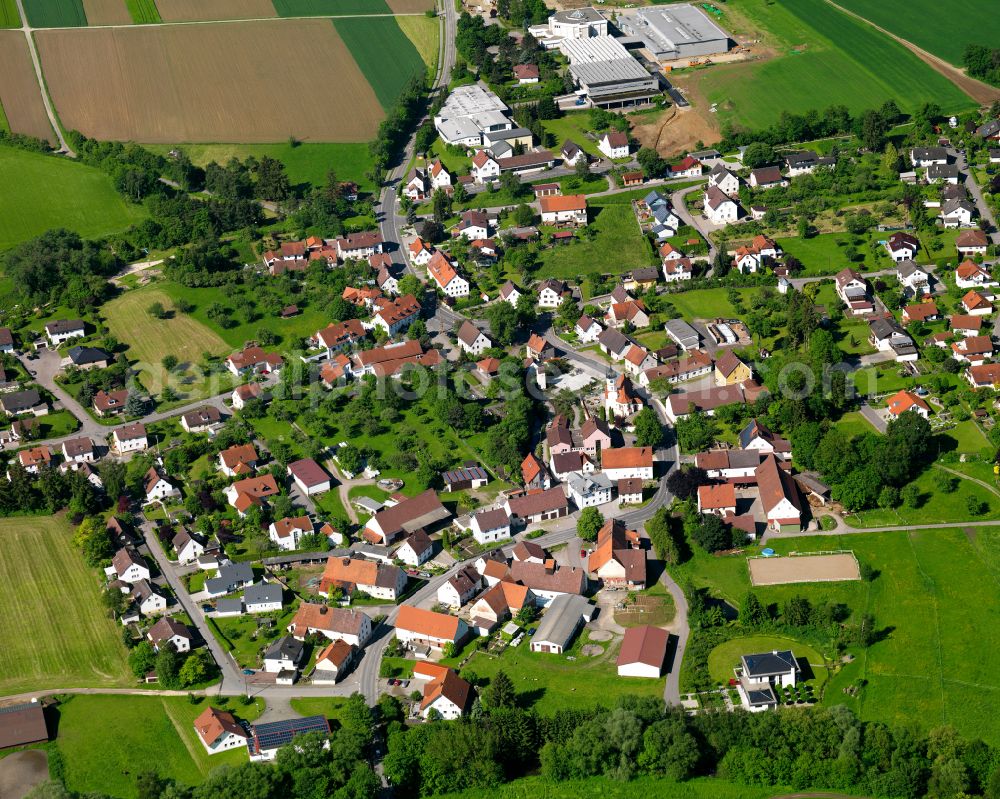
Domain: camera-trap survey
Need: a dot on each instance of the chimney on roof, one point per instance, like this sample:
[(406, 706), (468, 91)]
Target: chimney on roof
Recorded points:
[(550, 565), (323, 609)]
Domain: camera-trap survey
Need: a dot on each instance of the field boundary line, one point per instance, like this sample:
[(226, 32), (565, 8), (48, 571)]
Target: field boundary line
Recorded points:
[(173, 23), (937, 625)]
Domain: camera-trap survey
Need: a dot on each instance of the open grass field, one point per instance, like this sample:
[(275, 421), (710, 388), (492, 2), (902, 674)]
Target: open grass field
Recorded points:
[(549, 683), (329, 8), (19, 92), (304, 163), (209, 83), (387, 76), (823, 57), (944, 30), (424, 34), (190, 10), (154, 732), (54, 633), (937, 603), (116, 12), (142, 12), (9, 18), (618, 246), (55, 13), (86, 201), (726, 656), (149, 339)]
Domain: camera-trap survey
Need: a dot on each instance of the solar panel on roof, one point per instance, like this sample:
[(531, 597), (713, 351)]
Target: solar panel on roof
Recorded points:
[(271, 735)]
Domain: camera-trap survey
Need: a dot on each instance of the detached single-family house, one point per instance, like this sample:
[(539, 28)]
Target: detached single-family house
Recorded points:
[(245, 494), (730, 370), (201, 420), (378, 580), (460, 588), (79, 450), (688, 167), (129, 438), (158, 487), (718, 499), (588, 490), (337, 624), (283, 655), (238, 460), (254, 360), (570, 209), (420, 252), (761, 673), (395, 316), (903, 401), (902, 247), (128, 566), (725, 180), (551, 293), (62, 330), (416, 549), (445, 277), (219, 731), (915, 280), (779, 496), (538, 506), (618, 559), (534, 475), (922, 157), (957, 213), (167, 631), (719, 208), (510, 293), (484, 167), (86, 358), (334, 662), (975, 304), (409, 515), (490, 526), (587, 330), (287, 533), (571, 153), (971, 242), (472, 340), (767, 177), (445, 694), (966, 325), (187, 547), (614, 144), (243, 394)]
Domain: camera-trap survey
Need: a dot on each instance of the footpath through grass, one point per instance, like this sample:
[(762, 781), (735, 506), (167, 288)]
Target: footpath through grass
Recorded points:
[(106, 741), (54, 632), (46, 191)]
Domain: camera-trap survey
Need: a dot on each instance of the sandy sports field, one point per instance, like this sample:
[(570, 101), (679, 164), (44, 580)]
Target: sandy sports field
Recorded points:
[(107, 12), (804, 569), (238, 82), (19, 92), (188, 10)]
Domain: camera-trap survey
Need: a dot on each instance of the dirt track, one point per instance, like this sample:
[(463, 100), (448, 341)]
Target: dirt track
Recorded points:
[(228, 82), (803, 569), (19, 93), (981, 92)]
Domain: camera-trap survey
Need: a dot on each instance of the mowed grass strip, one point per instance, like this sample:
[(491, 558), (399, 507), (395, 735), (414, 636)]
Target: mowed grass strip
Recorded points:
[(9, 18), (207, 83), (55, 13), (387, 76), (54, 632), (425, 34), (618, 246), (330, 8), (143, 11), (46, 191), (940, 28), (149, 731)]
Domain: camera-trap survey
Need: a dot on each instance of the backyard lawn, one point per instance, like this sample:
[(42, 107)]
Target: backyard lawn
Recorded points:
[(726, 656), (552, 682), (54, 632), (618, 246), (147, 733), (935, 599), (245, 640)]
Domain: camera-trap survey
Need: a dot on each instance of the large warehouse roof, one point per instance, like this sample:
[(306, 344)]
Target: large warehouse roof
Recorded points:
[(595, 48), (674, 29)]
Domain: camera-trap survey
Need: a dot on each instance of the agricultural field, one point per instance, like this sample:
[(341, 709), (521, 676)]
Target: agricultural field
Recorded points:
[(54, 631), (114, 12), (148, 731), (9, 18), (19, 93), (329, 8), (151, 84), (387, 76), (942, 29), (86, 201), (935, 597), (425, 35), (618, 246), (55, 13), (150, 339), (410, 6), (195, 10), (823, 57), (142, 12)]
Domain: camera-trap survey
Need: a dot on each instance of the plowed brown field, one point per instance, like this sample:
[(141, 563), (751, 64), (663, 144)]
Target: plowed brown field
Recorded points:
[(107, 12), (409, 6), (19, 92), (187, 10), (230, 82)]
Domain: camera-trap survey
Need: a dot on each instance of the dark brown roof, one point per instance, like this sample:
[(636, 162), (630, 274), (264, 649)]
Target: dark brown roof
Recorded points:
[(202, 416), (540, 502), (308, 471), (22, 724), (543, 578), (411, 514)]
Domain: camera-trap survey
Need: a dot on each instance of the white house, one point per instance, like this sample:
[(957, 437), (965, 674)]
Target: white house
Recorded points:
[(957, 213), (130, 438), (970, 275), (761, 673), (727, 182), (62, 330), (287, 533), (926, 156), (128, 566), (587, 330), (902, 247), (147, 598), (490, 526), (484, 168), (460, 588), (589, 490), (416, 549), (445, 694), (551, 293), (420, 252), (560, 210), (614, 144), (719, 209), (187, 547), (284, 654), (168, 631), (419, 627), (219, 731), (334, 662), (510, 293), (444, 275), (473, 340), (337, 624), (624, 462), (915, 279), (262, 597), (158, 487)]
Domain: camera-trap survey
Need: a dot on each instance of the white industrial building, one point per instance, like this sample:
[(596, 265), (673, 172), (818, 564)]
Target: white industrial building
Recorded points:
[(676, 31), (607, 74), (469, 113), (577, 23)]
